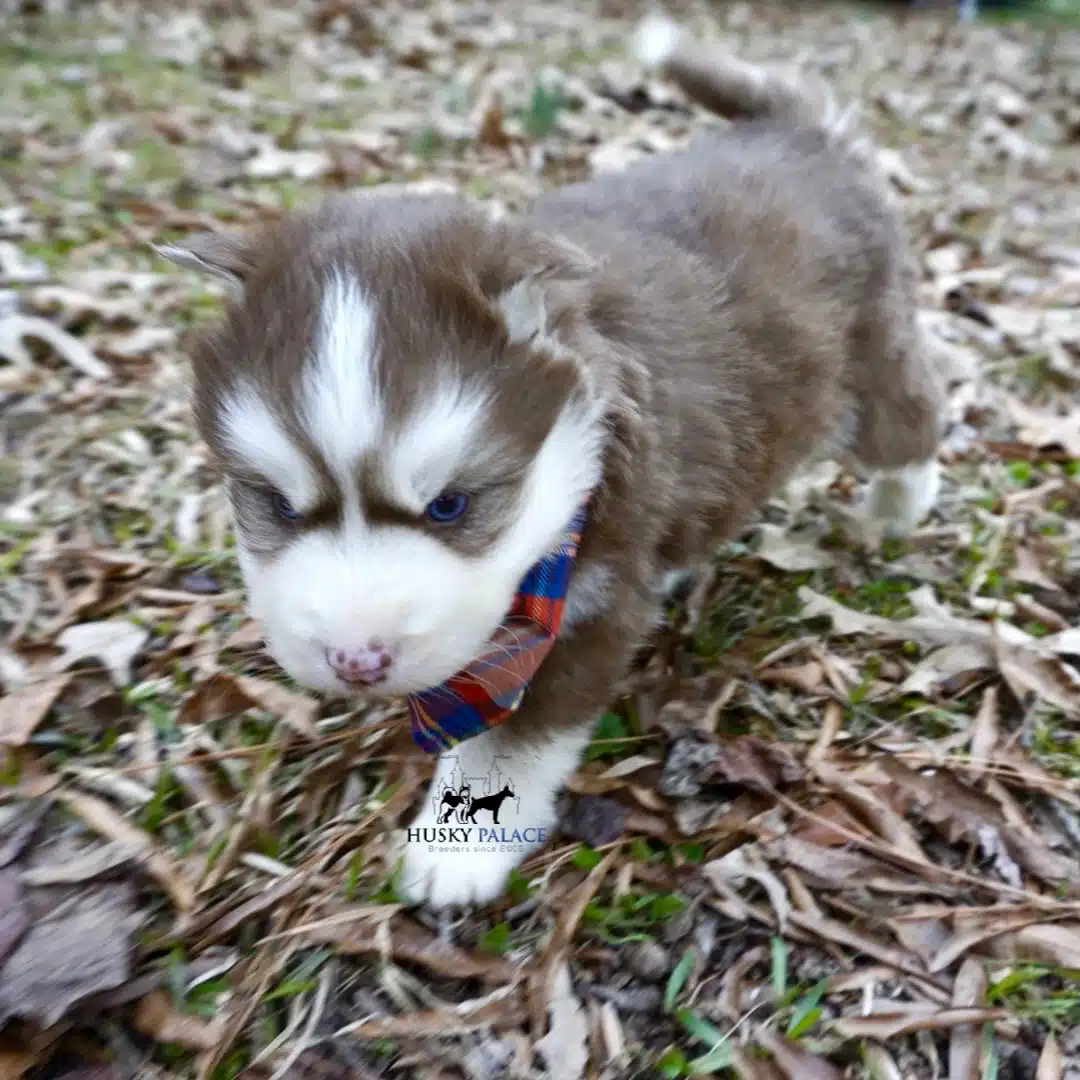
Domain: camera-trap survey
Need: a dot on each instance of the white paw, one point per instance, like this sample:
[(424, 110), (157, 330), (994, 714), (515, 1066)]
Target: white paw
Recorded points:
[(490, 805), (901, 498), (459, 863), (441, 879)]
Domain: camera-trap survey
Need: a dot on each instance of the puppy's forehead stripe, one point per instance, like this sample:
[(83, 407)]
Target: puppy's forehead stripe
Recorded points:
[(414, 447), (253, 434), (434, 441), (341, 411)]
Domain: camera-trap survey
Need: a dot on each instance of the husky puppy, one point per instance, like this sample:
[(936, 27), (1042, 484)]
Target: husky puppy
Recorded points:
[(410, 400)]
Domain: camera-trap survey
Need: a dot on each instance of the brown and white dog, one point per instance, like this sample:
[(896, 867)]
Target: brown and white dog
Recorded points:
[(409, 400)]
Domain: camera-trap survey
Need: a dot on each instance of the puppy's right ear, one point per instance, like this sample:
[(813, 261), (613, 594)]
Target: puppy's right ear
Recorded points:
[(229, 256)]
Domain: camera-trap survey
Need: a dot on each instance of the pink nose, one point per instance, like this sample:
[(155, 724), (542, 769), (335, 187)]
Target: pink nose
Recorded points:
[(366, 665)]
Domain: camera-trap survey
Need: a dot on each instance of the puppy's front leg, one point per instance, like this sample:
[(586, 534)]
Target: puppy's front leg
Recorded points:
[(464, 864), (519, 767)]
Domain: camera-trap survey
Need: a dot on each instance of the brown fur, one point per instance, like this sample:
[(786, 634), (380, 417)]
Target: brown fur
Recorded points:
[(761, 300), (742, 307), (435, 263)]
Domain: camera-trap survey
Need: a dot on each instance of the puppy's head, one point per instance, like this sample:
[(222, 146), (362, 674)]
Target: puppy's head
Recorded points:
[(401, 425)]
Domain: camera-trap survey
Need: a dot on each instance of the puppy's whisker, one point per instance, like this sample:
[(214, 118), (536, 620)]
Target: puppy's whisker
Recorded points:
[(448, 692), (482, 683)]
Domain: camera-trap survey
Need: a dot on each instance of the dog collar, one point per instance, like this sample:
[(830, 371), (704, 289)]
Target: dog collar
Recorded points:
[(487, 691)]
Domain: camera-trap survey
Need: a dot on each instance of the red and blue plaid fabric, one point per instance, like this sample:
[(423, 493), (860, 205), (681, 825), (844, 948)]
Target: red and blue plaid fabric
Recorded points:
[(491, 688)]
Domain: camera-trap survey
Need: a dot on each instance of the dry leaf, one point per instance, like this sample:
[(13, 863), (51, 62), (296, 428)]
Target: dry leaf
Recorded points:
[(80, 945), (876, 811), (945, 664), (217, 698), (248, 635), (14, 918), (794, 1059), (103, 819), (754, 763), (806, 677), (746, 1067), (959, 811), (296, 710), (743, 864), (16, 329), (272, 162), (570, 915), (23, 709), (409, 942), (633, 763), (15, 1064), (1041, 429), (489, 117), (434, 1023), (95, 862), (223, 918), (1045, 677), (225, 694), (965, 1042), (833, 867), (885, 1026), (156, 1018), (115, 642), (832, 931), (984, 732), (593, 820), (19, 830), (1065, 643), (565, 1046), (1051, 1061), (880, 1063), (1056, 944), (791, 550), (1028, 568), (970, 934)]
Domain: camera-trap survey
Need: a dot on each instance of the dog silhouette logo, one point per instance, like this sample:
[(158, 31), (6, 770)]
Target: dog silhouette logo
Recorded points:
[(455, 805), (474, 800), (490, 803)]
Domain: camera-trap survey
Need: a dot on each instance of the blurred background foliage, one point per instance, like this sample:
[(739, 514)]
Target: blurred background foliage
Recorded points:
[(1066, 11)]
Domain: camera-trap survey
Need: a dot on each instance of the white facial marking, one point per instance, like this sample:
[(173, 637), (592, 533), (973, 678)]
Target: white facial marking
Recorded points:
[(537, 771), (565, 471), (435, 608), (432, 442), (257, 438), (341, 409), (340, 587)]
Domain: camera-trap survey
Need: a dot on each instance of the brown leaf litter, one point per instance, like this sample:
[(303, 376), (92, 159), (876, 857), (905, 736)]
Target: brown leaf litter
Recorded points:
[(843, 770), (66, 929)]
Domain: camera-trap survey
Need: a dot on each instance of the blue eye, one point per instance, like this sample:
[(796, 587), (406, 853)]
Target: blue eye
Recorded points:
[(284, 509), (449, 506)]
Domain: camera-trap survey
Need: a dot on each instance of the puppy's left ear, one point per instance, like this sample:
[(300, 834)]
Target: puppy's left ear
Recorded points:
[(229, 256), (520, 277)]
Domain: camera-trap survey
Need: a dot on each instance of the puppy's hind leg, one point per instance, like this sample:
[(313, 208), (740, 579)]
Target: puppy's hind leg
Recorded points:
[(900, 414), (902, 498)]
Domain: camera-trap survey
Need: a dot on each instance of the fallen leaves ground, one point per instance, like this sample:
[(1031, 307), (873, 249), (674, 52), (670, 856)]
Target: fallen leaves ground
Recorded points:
[(832, 828)]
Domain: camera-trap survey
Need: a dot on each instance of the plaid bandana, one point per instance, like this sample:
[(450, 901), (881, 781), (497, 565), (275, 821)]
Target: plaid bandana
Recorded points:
[(492, 687)]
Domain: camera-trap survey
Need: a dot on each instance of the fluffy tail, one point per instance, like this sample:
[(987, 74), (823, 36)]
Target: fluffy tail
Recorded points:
[(734, 88)]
